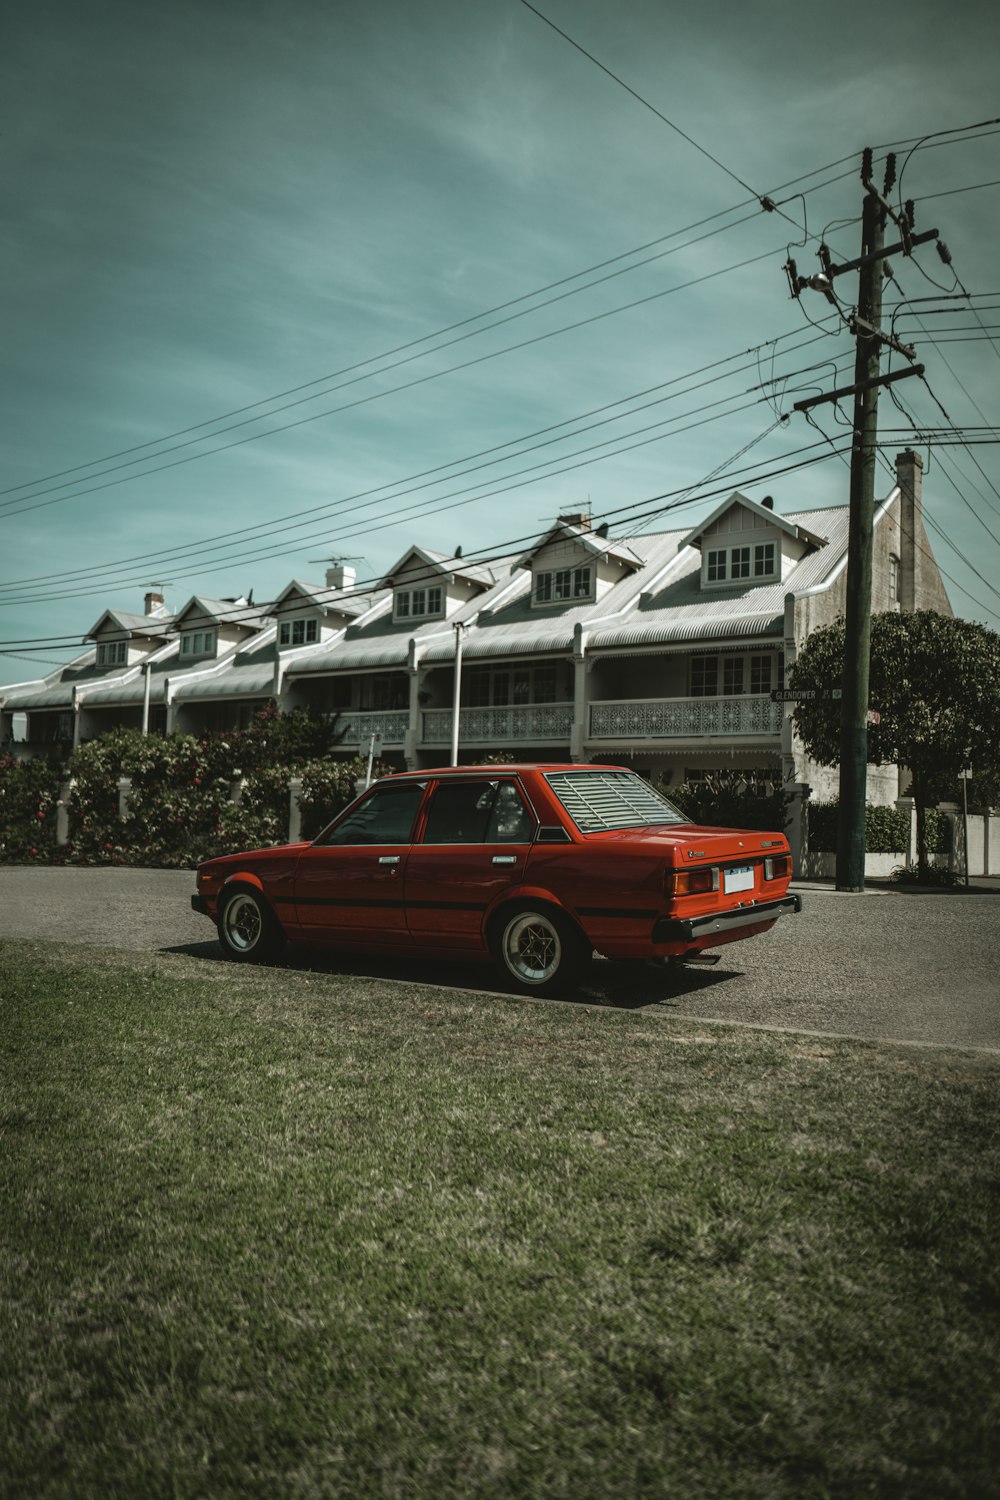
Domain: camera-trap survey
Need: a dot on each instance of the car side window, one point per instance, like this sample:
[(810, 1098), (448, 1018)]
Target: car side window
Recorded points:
[(478, 812), (386, 817), (510, 820)]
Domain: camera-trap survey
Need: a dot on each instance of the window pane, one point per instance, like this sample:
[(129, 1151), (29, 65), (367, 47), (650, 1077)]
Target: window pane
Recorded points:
[(385, 817), (545, 685), (284, 633), (298, 632), (543, 587), (732, 675), (740, 562), (501, 688), (312, 630), (581, 583), (511, 822), (402, 604), (563, 577), (716, 567), (522, 686), (760, 674), (460, 812), (433, 601), (476, 687), (763, 559), (704, 676)]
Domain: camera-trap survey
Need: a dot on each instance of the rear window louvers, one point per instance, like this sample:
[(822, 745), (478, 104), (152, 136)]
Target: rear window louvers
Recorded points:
[(599, 800)]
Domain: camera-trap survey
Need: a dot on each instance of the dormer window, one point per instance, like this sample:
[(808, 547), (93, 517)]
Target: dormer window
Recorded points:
[(764, 555), (197, 643), (563, 584), (735, 564), (112, 653), (298, 632), (419, 604)]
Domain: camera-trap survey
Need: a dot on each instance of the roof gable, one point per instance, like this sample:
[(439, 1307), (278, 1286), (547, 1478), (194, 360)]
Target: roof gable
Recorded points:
[(763, 513), (591, 542), (117, 619), (429, 566)]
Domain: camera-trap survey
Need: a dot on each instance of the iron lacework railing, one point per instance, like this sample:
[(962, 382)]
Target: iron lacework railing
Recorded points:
[(530, 723), (685, 718), (390, 723)]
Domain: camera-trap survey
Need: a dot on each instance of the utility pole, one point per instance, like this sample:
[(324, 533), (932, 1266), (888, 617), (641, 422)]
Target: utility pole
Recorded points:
[(858, 611), (866, 326)]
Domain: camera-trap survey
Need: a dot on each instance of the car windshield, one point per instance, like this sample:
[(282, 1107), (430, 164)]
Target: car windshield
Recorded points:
[(601, 800)]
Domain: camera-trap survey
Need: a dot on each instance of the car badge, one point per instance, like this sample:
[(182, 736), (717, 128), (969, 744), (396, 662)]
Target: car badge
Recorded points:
[(696, 854)]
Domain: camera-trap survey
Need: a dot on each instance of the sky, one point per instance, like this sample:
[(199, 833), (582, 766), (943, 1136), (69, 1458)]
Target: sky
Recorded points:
[(288, 283)]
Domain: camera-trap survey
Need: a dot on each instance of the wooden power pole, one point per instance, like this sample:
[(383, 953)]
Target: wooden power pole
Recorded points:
[(866, 325), (858, 611)]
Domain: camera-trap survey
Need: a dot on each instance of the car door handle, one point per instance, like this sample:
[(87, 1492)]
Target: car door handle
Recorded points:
[(505, 859), (388, 859)]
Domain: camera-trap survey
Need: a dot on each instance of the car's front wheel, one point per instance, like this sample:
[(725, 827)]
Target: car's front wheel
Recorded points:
[(539, 951), (248, 930)]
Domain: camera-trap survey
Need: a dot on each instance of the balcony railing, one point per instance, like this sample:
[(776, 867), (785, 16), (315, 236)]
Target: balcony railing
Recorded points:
[(390, 723), (530, 724), (686, 718)]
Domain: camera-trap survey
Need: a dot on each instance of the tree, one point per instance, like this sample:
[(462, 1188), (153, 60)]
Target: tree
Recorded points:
[(935, 683)]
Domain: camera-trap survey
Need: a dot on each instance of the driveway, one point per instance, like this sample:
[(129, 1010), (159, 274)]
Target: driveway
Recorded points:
[(899, 966)]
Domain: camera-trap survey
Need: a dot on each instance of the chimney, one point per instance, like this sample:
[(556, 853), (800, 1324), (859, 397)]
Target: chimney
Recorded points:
[(341, 576), (153, 603), (768, 502), (909, 477), (580, 518)]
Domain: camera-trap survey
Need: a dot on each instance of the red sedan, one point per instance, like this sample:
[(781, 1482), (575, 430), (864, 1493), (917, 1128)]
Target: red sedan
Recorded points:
[(533, 867)]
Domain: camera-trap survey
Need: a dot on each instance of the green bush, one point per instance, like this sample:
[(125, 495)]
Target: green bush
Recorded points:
[(180, 807), (887, 829), (29, 791), (733, 800)]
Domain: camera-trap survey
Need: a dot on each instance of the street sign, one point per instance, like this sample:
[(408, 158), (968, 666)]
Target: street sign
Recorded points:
[(806, 695)]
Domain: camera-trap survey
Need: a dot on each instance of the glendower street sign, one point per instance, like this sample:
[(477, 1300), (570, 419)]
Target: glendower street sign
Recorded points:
[(805, 695)]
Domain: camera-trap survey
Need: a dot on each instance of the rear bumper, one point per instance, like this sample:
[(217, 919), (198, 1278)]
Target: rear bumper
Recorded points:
[(686, 929)]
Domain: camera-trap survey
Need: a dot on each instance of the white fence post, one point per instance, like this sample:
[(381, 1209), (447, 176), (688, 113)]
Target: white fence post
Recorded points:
[(124, 794), (62, 811), (294, 810)]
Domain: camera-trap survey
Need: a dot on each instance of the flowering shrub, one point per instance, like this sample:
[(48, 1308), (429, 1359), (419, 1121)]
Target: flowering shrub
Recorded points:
[(180, 803), (29, 791)]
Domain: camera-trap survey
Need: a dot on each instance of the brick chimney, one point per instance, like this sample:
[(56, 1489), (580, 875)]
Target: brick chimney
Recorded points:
[(909, 477), (153, 604), (580, 518)]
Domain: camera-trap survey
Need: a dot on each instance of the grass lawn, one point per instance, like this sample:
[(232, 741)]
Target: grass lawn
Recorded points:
[(281, 1233)]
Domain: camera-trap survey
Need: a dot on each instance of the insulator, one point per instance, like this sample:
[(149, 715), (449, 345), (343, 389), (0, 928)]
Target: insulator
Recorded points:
[(943, 252), (866, 164), (890, 172), (908, 209)]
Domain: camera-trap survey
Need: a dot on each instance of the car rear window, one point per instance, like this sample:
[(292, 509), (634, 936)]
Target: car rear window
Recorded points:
[(600, 800)]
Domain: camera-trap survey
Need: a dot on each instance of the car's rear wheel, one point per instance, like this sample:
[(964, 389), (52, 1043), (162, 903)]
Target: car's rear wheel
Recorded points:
[(538, 951), (248, 930)]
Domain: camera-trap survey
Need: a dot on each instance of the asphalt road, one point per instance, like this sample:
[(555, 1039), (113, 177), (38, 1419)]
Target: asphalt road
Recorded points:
[(884, 965)]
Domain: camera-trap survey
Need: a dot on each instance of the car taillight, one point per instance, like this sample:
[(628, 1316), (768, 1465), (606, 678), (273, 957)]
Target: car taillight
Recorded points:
[(690, 882), (777, 866)]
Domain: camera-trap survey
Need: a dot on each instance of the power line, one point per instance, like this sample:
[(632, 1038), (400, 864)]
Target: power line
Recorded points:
[(394, 390), (627, 515), (165, 560)]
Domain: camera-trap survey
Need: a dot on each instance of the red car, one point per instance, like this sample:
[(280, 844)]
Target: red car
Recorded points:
[(532, 866)]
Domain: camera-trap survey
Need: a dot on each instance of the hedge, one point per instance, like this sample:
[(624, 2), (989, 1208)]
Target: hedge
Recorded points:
[(180, 807), (887, 829)]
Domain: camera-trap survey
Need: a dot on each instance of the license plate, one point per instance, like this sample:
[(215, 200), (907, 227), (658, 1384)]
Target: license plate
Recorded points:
[(739, 878)]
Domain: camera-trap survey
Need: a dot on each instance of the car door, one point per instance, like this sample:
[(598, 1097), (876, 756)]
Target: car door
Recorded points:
[(474, 846), (349, 887)]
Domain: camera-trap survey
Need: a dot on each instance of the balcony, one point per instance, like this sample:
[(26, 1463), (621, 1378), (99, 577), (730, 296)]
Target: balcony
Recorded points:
[(390, 723), (527, 724), (743, 717)]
